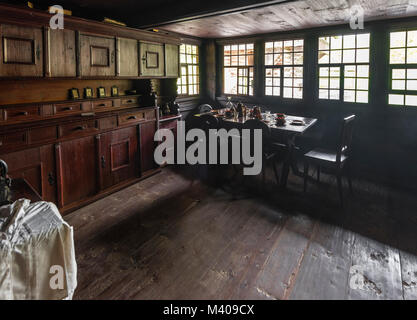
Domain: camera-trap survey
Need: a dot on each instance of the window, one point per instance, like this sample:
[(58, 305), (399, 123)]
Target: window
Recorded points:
[(238, 69), (403, 68), (189, 80), (284, 68), (344, 68)]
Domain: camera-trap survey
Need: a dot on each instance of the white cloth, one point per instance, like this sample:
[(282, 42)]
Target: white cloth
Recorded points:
[(37, 257)]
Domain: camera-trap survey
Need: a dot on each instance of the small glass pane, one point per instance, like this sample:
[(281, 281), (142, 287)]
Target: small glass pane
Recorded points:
[(412, 74), (324, 43), (299, 45), (242, 60), (398, 73), (242, 49), (412, 85), (398, 39), (350, 71), (288, 46), (269, 59), (362, 84), (324, 72), (336, 42), (288, 72), (182, 48), (277, 72), (362, 96), (411, 100), (349, 96), (234, 50), (324, 83), (398, 85), (396, 99), (349, 42), (230, 80), (335, 72), (363, 40), (288, 82), (288, 58), (268, 91), (277, 59), (298, 58), (397, 56), (412, 55), (334, 83), (269, 47), (298, 83), (234, 61), (287, 92), (268, 72), (268, 81), (350, 83), (277, 92), (227, 61), (323, 94), (362, 56), (336, 56), (278, 47), (363, 71), (277, 82), (298, 72), (334, 95), (349, 56), (298, 93), (324, 57), (412, 38)]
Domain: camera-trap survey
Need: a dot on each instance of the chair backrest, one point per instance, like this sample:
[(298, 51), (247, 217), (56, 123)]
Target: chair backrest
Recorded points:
[(208, 121), (253, 124), (345, 137)]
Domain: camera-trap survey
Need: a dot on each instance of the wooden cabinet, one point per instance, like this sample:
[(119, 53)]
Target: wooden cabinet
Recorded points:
[(127, 57), (147, 145), (61, 53), (76, 170), (21, 53), (152, 60), (37, 167), (172, 60), (97, 56), (118, 156)]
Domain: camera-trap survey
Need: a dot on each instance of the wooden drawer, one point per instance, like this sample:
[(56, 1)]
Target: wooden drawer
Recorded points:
[(102, 104), (42, 135), (150, 115), (14, 140), (67, 108), (23, 113), (131, 117), (128, 101), (77, 129), (168, 124), (107, 123)]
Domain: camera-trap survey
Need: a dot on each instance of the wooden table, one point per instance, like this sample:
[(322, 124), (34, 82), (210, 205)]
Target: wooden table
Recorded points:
[(286, 133)]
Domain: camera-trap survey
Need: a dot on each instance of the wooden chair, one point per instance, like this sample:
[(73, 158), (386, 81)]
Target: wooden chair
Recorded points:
[(337, 160), (270, 150)]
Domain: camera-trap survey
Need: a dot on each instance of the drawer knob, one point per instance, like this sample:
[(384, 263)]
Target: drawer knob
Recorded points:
[(23, 113), (132, 118), (129, 101), (79, 128), (68, 108), (102, 105)]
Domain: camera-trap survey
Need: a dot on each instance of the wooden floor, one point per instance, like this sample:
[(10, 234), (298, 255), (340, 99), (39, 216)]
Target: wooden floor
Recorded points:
[(166, 238)]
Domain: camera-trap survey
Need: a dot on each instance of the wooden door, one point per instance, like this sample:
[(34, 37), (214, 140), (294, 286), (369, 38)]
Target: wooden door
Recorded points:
[(37, 167), (127, 57), (147, 145), (61, 53), (76, 170), (152, 60), (21, 53), (118, 156), (97, 56), (172, 60)]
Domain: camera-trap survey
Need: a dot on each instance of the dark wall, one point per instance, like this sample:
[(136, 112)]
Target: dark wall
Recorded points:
[(385, 137)]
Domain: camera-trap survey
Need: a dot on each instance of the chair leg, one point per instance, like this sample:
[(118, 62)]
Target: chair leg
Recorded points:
[(305, 175), (318, 173), (340, 186), (349, 178), (274, 165)]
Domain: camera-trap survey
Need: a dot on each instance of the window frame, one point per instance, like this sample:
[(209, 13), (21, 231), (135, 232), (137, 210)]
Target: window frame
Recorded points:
[(186, 65), (238, 68), (342, 67)]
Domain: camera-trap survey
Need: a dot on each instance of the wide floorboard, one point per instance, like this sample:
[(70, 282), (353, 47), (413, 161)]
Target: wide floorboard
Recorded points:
[(170, 237)]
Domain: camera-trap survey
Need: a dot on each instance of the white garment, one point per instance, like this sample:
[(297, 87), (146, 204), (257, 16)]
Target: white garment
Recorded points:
[(37, 257)]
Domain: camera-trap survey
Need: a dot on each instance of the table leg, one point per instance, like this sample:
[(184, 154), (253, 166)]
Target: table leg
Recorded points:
[(288, 162)]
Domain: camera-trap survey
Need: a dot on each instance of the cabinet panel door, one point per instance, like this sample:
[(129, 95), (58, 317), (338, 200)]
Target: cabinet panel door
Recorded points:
[(21, 53), (97, 55), (37, 167), (172, 60), (127, 55), (118, 156), (76, 170), (147, 145), (152, 60), (62, 53)]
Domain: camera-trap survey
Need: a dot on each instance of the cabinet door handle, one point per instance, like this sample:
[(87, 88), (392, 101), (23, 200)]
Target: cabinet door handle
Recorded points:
[(79, 128), (51, 179), (132, 117), (103, 162), (129, 101), (68, 108), (23, 113), (102, 105)]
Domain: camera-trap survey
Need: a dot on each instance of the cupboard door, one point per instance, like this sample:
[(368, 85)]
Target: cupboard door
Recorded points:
[(172, 60), (127, 55), (118, 156), (21, 53), (76, 170), (147, 145), (152, 60), (97, 55), (61, 53), (37, 167)]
